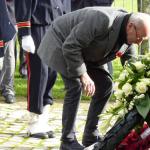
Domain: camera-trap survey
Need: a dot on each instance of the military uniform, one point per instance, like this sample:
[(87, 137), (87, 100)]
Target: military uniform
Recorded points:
[(33, 18)]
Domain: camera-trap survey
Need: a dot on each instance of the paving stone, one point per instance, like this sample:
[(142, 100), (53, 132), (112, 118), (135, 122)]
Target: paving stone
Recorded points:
[(14, 120)]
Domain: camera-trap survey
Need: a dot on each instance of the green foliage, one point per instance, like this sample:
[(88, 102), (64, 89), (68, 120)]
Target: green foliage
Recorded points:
[(20, 84), (143, 106)]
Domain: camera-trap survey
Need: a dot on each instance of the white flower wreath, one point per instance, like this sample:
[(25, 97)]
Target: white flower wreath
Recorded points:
[(132, 89)]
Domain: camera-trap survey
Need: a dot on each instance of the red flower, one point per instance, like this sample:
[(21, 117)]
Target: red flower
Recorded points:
[(142, 144), (119, 54), (133, 141), (131, 138), (145, 126)]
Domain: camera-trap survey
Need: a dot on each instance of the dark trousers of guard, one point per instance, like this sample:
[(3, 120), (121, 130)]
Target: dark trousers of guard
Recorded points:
[(41, 78), (103, 84)]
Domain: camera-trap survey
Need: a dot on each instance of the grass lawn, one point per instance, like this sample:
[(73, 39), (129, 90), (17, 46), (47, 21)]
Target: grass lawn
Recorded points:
[(58, 90)]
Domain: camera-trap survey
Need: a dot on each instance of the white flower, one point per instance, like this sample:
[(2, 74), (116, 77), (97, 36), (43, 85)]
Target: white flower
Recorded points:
[(146, 81), (118, 94), (131, 106), (139, 66), (123, 75), (115, 86), (127, 89), (141, 96), (141, 87)]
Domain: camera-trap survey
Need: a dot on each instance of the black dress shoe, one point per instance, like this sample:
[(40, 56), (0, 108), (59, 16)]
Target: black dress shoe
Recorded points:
[(42, 135), (74, 145), (89, 140)]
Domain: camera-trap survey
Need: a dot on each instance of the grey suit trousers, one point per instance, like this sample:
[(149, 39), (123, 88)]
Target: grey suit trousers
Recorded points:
[(103, 84), (8, 70)]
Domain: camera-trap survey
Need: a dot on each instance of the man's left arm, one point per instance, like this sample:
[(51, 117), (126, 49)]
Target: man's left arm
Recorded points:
[(80, 37)]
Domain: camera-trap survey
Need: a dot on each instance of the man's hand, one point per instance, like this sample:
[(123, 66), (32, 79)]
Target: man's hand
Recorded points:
[(88, 84), (28, 44)]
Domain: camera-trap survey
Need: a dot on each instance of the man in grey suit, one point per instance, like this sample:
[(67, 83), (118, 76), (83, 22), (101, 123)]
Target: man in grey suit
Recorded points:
[(77, 45)]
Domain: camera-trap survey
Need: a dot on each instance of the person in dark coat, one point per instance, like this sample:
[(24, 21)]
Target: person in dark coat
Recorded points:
[(83, 41), (7, 30), (33, 19)]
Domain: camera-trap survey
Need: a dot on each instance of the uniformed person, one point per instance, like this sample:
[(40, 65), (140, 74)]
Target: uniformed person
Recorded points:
[(33, 18)]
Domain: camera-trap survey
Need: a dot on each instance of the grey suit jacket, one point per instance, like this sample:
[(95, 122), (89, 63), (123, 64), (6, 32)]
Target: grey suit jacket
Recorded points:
[(85, 35)]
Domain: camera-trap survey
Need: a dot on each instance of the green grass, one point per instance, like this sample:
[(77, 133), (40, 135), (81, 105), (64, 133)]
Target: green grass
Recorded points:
[(58, 90), (20, 84)]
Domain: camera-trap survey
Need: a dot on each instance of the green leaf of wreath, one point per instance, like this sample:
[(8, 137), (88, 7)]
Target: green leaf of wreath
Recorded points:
[(143, 107)]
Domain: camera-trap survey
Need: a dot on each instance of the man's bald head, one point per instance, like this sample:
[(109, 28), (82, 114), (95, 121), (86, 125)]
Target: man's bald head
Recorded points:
[(141, 20), (138, 28)]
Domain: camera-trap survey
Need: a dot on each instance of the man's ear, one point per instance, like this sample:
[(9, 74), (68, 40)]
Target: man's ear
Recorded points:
[(129, 25)]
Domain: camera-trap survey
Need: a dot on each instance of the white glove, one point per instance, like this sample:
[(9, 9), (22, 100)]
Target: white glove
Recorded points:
[(28, 44)]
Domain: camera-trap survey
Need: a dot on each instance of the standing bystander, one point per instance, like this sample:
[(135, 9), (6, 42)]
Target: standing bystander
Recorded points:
[(8, 64)]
